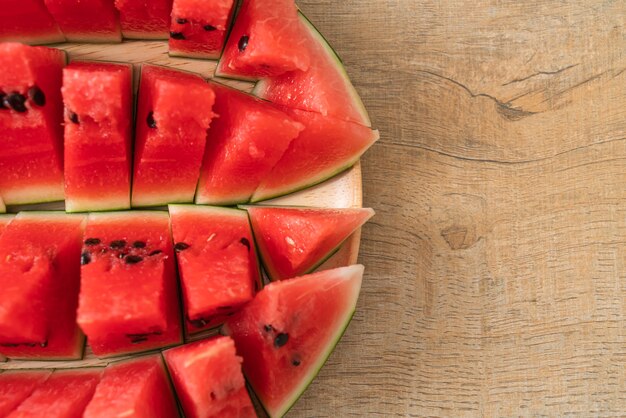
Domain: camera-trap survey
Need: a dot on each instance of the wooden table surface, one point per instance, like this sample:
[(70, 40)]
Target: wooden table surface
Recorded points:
[(496, 265)]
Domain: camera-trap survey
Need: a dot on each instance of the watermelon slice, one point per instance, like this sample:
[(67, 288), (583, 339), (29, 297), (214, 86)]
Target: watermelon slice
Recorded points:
[(97, 136), (39, 278), (208, 380), (326, 147), (199, 27), (288, 331), (267, 40), (294, 241), (244, 144), (31, 115), (65, 394), (86, 20), (128, 298), (173, 116), (144, 19), (136, 388), (324, 87), (28, 21), (17, 385), (217, 262)]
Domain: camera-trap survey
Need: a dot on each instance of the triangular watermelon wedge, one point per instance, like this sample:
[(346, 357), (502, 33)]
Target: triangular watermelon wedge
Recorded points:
[(326, 147), (294, 241), (325, 87), (288, 331)]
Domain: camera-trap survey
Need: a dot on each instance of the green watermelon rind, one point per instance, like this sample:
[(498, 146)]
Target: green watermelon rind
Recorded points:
[(271, 272), (260, 85), (313, 181)]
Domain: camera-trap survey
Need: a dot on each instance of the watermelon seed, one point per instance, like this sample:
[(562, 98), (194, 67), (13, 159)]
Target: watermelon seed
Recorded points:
[(150, 120), (36, 95), (281, 339), (267, 328), (139, 244), (181, 21), (209, 28), (9, 345), (295, 362), (245, 242), (73, 117), (2, 105), (117, 244), (16, 102), (155, 252), (138, 340), (243, 43), (180, 246), (92, 241), (85, 258), (197, 323), (177, 35), (44, 344), (133, 259)]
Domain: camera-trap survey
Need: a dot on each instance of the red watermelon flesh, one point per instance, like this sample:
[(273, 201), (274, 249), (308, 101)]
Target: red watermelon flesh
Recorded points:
[(65, 394), (39, 278), (294, 241), (217, 262), (4, 221), (28, 21), (288, 331), (128, 298), (17, 385), (244, 143), (324, 87), (267, 40), (144, 19), (31, 115), (326, 147), (135, 388), (97, 136), (173, 115), (86, 20), (199, 27), (208, 380)]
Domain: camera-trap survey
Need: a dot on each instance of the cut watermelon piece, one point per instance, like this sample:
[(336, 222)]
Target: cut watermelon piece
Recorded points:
[(39, 278), (31, 116), (65, 394), (17, 385), (97, 136), (288, 331), (294, 241), (208, 380), (136, 388), (267, 40), (86, 20), (244, 144), (326, 147), (128, 298), (217, 262), (173, 116), (199, 27), (144, 19), (325, 87), (28, 21)]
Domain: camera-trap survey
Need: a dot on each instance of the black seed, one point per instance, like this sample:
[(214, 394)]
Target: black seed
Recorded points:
[(281, 339), (31, 345), (92, 241), (198, 323), (267, 328), (139, 244), (180, 246), (155, 252), (2, 105), (117, 244), (15, 101), (85, 258), (209, 28), (181, 21), (36, 95), (73, 117), (133, 259), (138, 340), (177, 35), (295, 362), (243, 43), (9, 345), (150, 120), (245, 242)]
